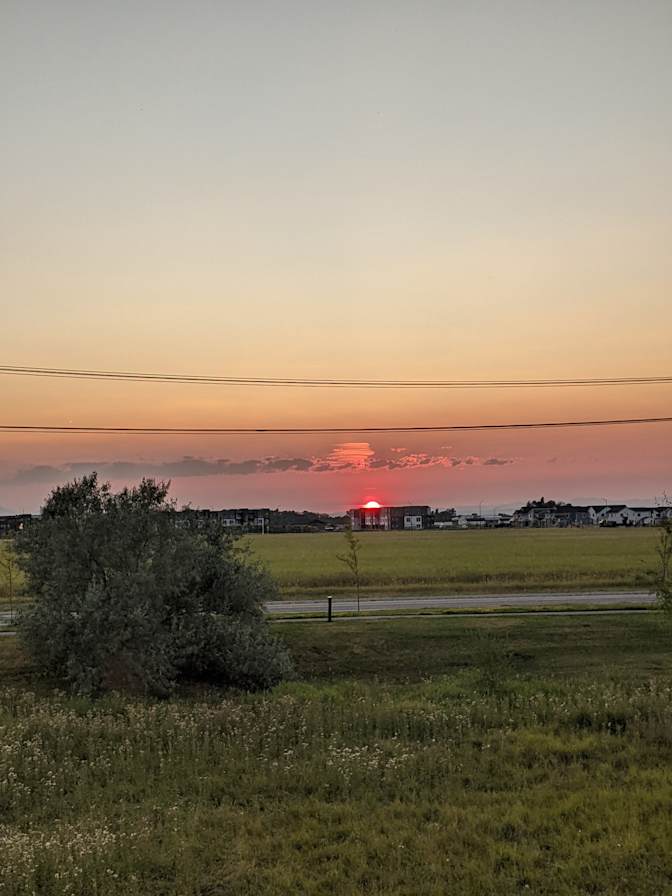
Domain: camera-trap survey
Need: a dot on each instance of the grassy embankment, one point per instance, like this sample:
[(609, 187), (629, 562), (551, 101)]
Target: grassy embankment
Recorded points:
[(426, 757), (463, 562)]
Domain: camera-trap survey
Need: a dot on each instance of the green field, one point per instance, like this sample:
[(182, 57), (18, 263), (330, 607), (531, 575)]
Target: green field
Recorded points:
[(418, 757), (455, 562), (495, 560)]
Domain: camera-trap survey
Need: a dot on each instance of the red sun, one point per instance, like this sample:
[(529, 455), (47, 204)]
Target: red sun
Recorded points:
[(371, 505)]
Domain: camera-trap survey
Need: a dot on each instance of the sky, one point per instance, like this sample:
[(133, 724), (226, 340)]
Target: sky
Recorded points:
[(416, 190)]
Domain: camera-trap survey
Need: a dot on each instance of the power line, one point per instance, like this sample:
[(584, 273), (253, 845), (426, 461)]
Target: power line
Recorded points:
[(321, 383), (179, 430)]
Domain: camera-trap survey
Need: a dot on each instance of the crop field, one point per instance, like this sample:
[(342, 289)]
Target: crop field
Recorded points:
[(456, 562), (494, 560), (428, 757)]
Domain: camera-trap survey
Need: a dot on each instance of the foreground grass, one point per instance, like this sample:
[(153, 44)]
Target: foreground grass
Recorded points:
[(412, 757), (494, 560)]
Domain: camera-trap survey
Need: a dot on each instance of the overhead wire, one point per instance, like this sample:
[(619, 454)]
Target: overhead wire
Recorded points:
[(291, 430), (326, 382)]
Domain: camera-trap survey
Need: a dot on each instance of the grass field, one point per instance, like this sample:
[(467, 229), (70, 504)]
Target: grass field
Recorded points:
[(418, 757), (495, 560), (455, 562)]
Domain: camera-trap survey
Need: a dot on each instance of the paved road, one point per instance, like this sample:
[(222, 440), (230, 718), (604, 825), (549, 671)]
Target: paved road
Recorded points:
[(463, 602)]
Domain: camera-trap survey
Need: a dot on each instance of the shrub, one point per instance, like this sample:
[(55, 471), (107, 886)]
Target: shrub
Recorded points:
[(664, 577), (127, 599)]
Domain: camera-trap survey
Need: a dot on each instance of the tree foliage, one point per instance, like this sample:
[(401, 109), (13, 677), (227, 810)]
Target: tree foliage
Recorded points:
[(351, 559), (664, 551), (128, 598)]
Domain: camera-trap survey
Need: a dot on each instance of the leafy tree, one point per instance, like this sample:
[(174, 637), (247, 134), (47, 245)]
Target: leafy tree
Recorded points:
[(129, 596), (664, 577), (351, 558)]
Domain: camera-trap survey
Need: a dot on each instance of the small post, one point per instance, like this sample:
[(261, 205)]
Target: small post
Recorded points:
[(329, 599)]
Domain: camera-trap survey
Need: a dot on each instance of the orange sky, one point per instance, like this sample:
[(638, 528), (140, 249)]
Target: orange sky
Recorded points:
[(332, 472), (341, 190)]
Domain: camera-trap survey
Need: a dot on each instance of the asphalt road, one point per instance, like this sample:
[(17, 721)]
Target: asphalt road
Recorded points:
[(454, 602), (463, 602)]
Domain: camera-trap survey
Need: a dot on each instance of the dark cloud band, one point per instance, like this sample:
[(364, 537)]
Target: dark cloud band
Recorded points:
[(188, 467)]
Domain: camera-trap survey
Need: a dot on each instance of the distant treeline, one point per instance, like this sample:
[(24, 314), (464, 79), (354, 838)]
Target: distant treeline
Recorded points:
[(305, 521)]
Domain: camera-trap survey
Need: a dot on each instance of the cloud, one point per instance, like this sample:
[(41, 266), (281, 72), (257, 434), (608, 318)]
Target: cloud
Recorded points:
[(350, 456), (322, 468), (346, 457), (420, 460), (185, 467), (42, 473), (283, 464)]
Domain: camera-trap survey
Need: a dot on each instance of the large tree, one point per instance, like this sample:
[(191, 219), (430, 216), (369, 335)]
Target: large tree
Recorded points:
[(129, 596)]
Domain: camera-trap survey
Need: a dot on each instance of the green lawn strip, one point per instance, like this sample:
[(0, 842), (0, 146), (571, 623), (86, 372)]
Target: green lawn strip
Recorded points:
[(418, 647)]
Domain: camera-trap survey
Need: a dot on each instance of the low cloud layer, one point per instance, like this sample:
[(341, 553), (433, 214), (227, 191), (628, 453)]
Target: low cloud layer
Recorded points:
[(346, 457)]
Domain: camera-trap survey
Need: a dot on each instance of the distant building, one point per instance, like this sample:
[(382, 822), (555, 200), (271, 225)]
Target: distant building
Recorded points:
[(241, 519), (551, 514), (643, 516), (622, 515), (557, 514), (607, 514), (571, 515), (481, 521), (535, 513), (375, 516), (247, 520), (10, 525), (472, 521)]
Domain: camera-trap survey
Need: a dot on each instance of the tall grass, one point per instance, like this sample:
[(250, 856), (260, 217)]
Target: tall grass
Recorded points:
[(459, 784)]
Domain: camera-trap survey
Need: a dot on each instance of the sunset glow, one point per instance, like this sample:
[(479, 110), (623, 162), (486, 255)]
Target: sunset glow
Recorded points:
[(407, 214)]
